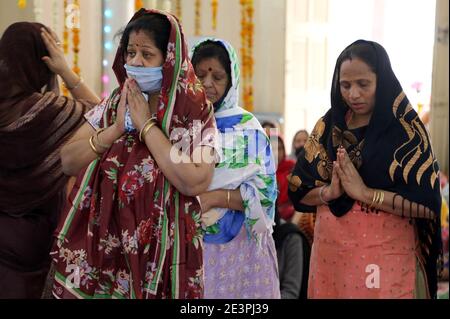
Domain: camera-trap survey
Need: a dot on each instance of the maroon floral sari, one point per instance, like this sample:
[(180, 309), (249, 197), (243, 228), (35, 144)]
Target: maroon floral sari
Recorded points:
[(126, 231)]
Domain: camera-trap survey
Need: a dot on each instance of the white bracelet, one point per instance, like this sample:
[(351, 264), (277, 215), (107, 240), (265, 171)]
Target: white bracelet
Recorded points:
[(320, 195), (76, 85)]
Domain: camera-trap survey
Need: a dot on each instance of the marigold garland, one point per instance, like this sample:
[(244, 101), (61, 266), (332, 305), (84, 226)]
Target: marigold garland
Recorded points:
[(247, 30), (138, 4), (76, 39), (214, 6), (22, 4), (198, 6), (65, 91)]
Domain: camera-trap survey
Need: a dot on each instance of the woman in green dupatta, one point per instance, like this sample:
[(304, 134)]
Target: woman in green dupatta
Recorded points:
[(238, 209)]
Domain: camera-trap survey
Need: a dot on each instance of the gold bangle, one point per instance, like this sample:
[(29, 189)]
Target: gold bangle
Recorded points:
[(375, 194), (148, 121), (98, 139), (91, 143), (149, 124), (381, 199), (228, 199), (378, 198)]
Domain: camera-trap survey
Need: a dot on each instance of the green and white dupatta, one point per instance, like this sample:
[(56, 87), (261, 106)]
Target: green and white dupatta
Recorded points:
[(247, 164)]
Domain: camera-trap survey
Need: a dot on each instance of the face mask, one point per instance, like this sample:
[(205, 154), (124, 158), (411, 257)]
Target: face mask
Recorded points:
[(149, 79)]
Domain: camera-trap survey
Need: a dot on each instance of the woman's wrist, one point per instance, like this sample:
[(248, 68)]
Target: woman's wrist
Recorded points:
[(145, 128), (118, 131), (71, 80), (325, 193), (367, 195), (68, 75), (215, 198), (141, 124)]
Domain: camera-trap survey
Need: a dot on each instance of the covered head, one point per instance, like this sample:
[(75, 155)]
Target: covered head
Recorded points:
[(216, 65), (22, 71), (180, 87)]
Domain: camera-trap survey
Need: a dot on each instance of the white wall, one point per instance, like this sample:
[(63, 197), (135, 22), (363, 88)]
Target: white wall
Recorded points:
[(314, 41), (440, 104), (307, 81)]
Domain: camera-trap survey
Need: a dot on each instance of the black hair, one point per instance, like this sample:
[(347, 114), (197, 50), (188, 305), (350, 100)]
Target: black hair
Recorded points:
[(213, 49), (156, 26), (269, 123), (301, 131), (361, 50)]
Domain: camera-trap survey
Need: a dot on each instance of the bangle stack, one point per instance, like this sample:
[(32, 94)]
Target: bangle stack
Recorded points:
[(147, 126), (94, 142), (378, 198), (97, 140)]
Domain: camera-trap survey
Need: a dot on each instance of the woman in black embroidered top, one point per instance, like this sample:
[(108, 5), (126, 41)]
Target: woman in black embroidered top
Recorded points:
[(370, 153)]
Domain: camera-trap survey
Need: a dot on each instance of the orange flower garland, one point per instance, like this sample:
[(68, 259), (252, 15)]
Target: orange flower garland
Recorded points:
[(138, 4), (72, 22), (214, 5), (198, 6), (22, 4), (76, 38), (65, 91), (247, 30)]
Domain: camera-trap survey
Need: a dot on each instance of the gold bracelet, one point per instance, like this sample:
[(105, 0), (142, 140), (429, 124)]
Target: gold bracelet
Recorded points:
[(148, 121), (373, 198), (91, 143), (376, 198), (381, 199), (228, 199), (149, 124), (98, 139)]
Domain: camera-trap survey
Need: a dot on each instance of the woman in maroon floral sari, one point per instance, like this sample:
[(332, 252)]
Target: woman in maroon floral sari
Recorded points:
[(131, 228)]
